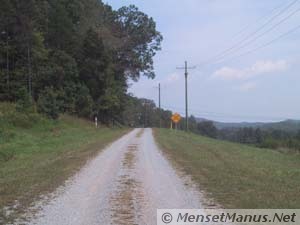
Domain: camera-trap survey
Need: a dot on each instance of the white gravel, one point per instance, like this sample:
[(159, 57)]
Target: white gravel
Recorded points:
[(124, 184)]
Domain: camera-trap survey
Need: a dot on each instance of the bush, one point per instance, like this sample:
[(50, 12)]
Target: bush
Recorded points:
[(19, 120), (48, 104), (24, 102), (270, 143)]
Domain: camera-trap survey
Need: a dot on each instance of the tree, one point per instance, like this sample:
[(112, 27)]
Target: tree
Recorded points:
[(258, 136), (24, 103), (84, 102), (207, 128), (48, 104), (140, 41), (93, 64), (192, 124)]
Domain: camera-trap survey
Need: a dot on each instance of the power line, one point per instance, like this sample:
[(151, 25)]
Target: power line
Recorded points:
[(227, 52), (246, 27), (257, 30), (224, 52), (262, 34), (223, 115), (263, 45)]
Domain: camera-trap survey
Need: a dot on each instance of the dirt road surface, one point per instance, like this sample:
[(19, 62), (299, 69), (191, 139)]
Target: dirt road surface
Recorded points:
[(124, 184)]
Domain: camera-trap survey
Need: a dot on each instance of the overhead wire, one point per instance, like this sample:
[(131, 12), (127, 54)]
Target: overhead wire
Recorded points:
[(262, 46), (198, 113), (246, 41), (246, 27), (262, 34)]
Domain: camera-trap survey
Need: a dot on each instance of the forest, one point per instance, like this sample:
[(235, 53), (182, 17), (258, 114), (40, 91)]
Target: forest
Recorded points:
[(77, 57)]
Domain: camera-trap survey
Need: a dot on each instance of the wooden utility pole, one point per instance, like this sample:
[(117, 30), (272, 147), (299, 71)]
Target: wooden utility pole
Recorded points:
[(7, 60), (7, 64), (186, 98), (159, 106), (186, 68), (29, 71)]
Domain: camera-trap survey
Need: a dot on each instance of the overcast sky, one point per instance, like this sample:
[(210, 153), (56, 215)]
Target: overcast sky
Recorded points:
[(262, 85)]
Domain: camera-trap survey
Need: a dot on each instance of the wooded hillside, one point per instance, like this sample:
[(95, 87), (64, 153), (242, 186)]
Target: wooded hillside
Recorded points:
[(73, 56)]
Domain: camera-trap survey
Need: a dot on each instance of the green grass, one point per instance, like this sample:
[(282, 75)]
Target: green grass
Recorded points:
[(37, 155), (235, 175)]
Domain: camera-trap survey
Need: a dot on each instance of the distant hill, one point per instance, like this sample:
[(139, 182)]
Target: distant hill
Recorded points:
[(287, 125)]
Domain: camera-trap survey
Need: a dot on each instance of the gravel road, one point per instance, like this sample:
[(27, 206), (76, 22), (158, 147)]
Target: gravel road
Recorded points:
[(124, 184)]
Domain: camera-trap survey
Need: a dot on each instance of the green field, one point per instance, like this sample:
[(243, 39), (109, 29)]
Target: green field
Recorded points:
[(37, 155), (235, 175)]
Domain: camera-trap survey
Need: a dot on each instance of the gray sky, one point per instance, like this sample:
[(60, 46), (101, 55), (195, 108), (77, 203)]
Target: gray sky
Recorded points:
[(262, 85)]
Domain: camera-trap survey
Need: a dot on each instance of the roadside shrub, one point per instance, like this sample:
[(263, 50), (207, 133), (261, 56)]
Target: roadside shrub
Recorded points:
[(48, 104), (6, 107), (35, 118), (269, 143), (19, 120), (24, 103)]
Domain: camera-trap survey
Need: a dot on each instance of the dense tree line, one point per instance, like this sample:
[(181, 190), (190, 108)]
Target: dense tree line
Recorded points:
[(263, 138), (244, 135), (144, 113), (74, 56)]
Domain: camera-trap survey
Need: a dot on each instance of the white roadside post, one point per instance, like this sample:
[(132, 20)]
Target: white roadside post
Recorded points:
[(96, 121)]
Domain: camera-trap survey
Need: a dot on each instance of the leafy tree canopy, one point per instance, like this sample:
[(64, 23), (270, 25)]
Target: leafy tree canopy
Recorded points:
[(56, 49)]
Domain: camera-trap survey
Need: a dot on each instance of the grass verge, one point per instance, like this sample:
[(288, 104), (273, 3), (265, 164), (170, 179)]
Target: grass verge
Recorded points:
[(37, 155), (235, 175)]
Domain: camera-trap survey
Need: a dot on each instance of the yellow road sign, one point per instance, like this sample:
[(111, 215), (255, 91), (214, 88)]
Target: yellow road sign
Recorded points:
[(176, 118)]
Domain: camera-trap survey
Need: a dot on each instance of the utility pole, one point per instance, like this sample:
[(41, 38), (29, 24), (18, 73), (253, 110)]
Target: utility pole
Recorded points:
[(29, 71), (186, 68), (145, 113), (7, 64), (186, 98), (7, 60), (159, 105)]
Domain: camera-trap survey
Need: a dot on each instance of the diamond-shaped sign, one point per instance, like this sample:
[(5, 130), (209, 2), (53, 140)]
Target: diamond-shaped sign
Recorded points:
[(176, 118)]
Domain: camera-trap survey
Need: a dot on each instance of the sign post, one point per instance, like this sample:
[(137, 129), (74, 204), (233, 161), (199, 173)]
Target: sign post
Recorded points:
[(175, 118)]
